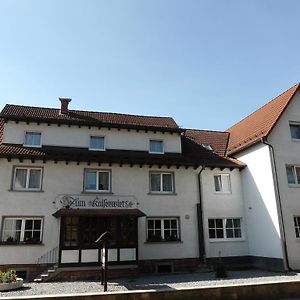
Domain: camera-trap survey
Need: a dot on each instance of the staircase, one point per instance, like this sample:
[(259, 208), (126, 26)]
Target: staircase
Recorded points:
[(47, 265)]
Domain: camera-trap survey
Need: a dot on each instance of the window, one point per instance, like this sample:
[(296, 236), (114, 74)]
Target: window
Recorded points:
[(295, 131), (297, 226), (161, 183), (224, 228), (22, 230), (97, 143), (222, 183), (163, 229), (97, 181), (293, 174), (32, 139), (156, 146), (27, 179), (70, 236)]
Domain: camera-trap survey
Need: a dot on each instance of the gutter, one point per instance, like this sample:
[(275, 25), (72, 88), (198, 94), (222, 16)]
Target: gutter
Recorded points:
[(279, 203), (200, 219)]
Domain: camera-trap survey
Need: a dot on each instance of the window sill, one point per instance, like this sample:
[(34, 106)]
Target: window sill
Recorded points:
[(97, 192), (21, 244), (161, 193), (227, 240), (94, 149), (164, 242), (223, 193), (27, 191), (295, 140), (292, 185), (32, 146)]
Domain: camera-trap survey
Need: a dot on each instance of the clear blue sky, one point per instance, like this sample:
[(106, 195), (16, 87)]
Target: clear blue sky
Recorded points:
[(205, 63)]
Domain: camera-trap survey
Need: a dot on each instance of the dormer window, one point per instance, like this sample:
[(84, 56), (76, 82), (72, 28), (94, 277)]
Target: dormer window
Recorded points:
[(33, 139), (156, 146), (97, 143), (207, 147)]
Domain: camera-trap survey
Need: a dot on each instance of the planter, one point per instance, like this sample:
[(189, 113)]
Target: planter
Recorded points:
[(11, 285)]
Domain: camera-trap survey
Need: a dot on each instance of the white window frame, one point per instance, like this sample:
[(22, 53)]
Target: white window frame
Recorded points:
[(162, 228), (156, 152), (97, 181), (294, 167), (161, 183), (28, 170), (297, 226), (22, 231), (225, 238), (34, 146), (294, 124), (222, 182), (97, 149)]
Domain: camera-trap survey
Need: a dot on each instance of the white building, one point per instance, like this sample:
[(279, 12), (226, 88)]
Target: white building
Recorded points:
[(67, 176), (267, 141)]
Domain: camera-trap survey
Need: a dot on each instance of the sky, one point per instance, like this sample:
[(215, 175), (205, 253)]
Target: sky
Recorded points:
[(206, 63)]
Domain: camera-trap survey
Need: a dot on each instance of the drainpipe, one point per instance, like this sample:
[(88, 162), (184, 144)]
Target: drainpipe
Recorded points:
[(200, 219), (279, 203)]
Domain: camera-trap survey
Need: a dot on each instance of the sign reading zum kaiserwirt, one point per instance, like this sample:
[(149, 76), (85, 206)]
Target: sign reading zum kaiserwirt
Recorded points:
[(96, 202)]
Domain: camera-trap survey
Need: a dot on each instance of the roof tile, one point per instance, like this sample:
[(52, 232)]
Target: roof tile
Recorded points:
[(260, 123)]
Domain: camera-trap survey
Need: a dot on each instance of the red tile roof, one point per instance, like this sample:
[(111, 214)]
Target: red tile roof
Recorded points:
[(193, 156), (217, 139), (51, 115), (260, 123)]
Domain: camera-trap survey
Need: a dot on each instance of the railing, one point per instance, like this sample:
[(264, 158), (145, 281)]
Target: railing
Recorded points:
[(48, 259)]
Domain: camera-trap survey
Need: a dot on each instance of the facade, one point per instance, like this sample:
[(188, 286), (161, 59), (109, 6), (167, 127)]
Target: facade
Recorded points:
[(68, 176), (268, 142), (173, 199)]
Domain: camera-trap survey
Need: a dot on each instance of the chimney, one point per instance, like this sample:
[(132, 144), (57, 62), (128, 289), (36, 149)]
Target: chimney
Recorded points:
[(64, 105)]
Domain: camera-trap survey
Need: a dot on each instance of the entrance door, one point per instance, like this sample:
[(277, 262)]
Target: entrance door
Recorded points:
[(79, 233)]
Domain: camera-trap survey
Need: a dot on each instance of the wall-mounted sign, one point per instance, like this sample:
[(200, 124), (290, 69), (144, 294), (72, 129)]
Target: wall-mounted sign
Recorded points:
[(95, 201)]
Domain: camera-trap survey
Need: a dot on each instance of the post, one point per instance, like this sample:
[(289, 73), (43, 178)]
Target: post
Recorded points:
[(105, 266)]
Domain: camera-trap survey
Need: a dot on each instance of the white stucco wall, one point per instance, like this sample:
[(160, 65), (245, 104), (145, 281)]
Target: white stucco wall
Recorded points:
[(68, 179), (287, 152), (80, 137), (260, 203), (222, 205)]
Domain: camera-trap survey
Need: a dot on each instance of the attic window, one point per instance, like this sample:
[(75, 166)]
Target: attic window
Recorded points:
[(207, 147)]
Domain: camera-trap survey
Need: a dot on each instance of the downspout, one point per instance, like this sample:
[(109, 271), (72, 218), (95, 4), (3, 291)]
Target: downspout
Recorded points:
[(200, 219), (279, 203)]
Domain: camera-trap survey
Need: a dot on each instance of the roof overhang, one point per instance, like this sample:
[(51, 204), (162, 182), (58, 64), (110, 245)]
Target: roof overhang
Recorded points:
[(99, 212)]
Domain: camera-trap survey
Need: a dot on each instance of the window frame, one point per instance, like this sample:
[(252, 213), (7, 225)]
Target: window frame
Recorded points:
[(97, 149), (23, 230), (157, 152), (297, 226), (161, 173), (294, 124), (28, 169), (224, 229), (97, 181), (222, 191), (32, 146), (296, 181), (162, 229)]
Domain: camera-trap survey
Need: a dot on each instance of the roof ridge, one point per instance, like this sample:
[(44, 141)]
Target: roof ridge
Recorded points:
[(261, 107), (206, 130), (91, 111)]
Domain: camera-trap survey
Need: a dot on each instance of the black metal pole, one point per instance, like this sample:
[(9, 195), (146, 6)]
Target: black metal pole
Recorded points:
[(105, 266)]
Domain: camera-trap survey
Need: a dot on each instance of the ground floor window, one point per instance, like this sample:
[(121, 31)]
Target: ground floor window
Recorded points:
[(22, 230), (163, 229), (83, 231), (224, 228), (297, 226)]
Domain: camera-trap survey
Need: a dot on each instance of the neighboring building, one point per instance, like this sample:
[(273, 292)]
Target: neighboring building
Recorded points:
[(67, 176), (268, 141)]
